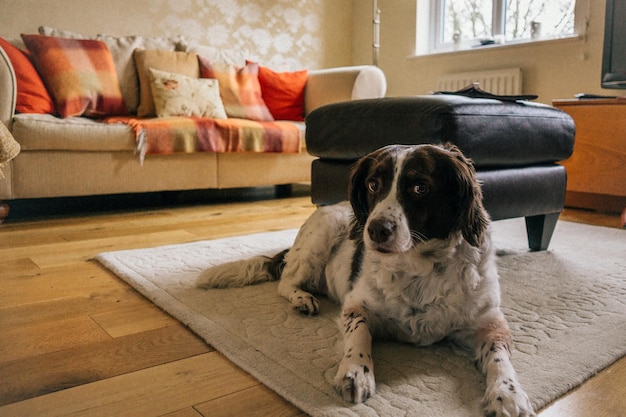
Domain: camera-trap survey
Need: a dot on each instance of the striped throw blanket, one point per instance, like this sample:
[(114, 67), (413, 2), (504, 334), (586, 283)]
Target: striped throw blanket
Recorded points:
[(169, 135)]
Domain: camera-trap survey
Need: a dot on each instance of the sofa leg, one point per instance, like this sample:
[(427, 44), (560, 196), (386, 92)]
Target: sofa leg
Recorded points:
[(4, 211), (539, 230)]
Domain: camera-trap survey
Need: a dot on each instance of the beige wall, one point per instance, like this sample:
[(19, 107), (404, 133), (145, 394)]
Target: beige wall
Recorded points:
[(551, 69), (281, 33), (324, 33)]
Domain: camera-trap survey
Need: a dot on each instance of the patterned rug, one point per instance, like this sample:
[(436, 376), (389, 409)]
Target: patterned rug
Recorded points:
[(566, 308)]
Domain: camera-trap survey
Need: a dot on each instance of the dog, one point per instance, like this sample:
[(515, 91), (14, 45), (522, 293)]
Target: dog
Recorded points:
[(409, 258)]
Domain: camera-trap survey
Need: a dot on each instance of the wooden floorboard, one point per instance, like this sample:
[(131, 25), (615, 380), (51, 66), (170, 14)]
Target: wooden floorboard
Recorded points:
[(252, 402), (45, 373), (76, 340), (152, 391)]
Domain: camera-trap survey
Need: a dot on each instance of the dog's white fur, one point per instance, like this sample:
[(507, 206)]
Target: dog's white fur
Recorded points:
[(405, 284)]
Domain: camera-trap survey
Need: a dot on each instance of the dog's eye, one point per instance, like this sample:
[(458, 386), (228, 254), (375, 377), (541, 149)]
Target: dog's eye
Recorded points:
[(373, 185), (418, 189)]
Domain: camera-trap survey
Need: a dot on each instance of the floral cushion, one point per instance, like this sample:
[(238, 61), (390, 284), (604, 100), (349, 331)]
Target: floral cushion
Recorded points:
[(184, 63), (178, 95)]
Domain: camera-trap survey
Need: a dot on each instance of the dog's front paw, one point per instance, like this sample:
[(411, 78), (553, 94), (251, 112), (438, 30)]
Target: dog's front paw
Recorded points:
[(304, 302), (507, 398), (355, 381)]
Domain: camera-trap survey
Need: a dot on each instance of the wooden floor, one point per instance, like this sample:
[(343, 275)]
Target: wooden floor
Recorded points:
[(75, 340)]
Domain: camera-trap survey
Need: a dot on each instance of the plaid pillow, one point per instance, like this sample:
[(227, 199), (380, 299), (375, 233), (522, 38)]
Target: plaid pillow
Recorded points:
[(79, 74), (239, 88)]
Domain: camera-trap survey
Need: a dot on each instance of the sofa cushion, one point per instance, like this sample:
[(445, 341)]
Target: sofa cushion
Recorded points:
[(178, 95), (44, 132), (79, 73), (184, 63), (283, 93), (32, 95), (491, 132), (239, 88)]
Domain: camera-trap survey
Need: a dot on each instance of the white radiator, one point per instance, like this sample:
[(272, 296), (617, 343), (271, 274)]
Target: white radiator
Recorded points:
[(503, 81)]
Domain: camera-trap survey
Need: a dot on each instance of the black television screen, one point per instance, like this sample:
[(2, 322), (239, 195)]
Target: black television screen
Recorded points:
[(614, 53)]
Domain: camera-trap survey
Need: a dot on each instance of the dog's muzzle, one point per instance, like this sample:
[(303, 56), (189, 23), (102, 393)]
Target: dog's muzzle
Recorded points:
[(382, 232)]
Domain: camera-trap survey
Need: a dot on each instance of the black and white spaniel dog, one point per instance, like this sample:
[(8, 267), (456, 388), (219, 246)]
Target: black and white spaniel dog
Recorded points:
[(410, 258)]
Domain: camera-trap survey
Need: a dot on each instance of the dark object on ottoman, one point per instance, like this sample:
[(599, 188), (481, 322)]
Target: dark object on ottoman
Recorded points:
[(514, 146)]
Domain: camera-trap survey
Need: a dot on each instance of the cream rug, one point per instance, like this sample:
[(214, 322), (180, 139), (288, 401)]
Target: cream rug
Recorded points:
[(566, 308)]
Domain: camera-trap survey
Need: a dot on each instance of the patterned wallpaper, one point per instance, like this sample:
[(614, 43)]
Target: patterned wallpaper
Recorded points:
[(286, 34)]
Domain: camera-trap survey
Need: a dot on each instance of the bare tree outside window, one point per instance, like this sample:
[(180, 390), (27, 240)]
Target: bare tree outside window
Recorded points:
[(523, 19), (555, 17), (470, 18)]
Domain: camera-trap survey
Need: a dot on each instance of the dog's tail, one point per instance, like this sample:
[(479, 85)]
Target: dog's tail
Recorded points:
[(242, 273)]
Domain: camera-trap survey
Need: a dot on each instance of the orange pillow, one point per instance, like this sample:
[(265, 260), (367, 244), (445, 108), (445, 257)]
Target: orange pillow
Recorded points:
[(239, 88), (80, 75), (283, 93), (32, 96)]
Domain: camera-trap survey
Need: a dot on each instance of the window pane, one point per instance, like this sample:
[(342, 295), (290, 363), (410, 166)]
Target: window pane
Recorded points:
[(552, 17), (470, 18)]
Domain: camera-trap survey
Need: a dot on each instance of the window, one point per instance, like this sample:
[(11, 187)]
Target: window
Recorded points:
[(461, 24)]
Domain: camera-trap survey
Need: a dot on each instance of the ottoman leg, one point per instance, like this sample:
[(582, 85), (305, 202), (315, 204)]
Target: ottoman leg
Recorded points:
[(539, 230)]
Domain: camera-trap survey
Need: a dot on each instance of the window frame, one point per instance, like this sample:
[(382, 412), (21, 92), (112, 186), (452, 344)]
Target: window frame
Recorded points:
[(434, 10)]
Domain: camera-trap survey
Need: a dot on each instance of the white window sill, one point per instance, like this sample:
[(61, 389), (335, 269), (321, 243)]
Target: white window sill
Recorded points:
[(496, 46)]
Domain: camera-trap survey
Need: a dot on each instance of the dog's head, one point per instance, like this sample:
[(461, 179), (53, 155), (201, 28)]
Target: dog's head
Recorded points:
[(403, 195)]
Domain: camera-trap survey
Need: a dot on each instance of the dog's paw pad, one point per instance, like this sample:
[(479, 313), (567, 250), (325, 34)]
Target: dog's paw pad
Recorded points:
[(355, 385), (306, 304), (507, 399)]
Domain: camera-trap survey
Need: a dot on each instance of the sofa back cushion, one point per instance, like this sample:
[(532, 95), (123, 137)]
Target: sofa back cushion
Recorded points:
[(122, 48), (32, 95), (79, 73), (235, 56)]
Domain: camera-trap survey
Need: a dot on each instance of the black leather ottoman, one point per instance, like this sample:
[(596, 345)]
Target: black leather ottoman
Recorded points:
[(514, 146)]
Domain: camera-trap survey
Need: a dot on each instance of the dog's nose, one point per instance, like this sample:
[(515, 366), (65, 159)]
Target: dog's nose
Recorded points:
[(380, 231)]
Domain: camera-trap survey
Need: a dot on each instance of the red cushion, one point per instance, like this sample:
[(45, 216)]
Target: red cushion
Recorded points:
[(283, 93), (32, 96), (79, 74)]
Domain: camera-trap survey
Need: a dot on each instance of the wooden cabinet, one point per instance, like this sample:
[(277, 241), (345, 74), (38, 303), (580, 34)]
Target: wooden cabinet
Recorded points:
[(596, 171)]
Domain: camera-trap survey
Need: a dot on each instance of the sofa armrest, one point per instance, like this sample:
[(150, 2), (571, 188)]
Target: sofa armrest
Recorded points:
[(8, 89), (333, 85)]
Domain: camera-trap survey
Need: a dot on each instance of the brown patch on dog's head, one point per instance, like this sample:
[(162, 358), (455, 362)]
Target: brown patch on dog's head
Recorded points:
[(436, 186), (373, 170)]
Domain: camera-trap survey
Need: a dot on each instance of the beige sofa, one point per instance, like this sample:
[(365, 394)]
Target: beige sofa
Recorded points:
[(78, 156)]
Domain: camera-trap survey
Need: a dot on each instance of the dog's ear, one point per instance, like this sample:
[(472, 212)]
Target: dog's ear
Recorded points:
[(472, 216), (357, 194), (477, 220)]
